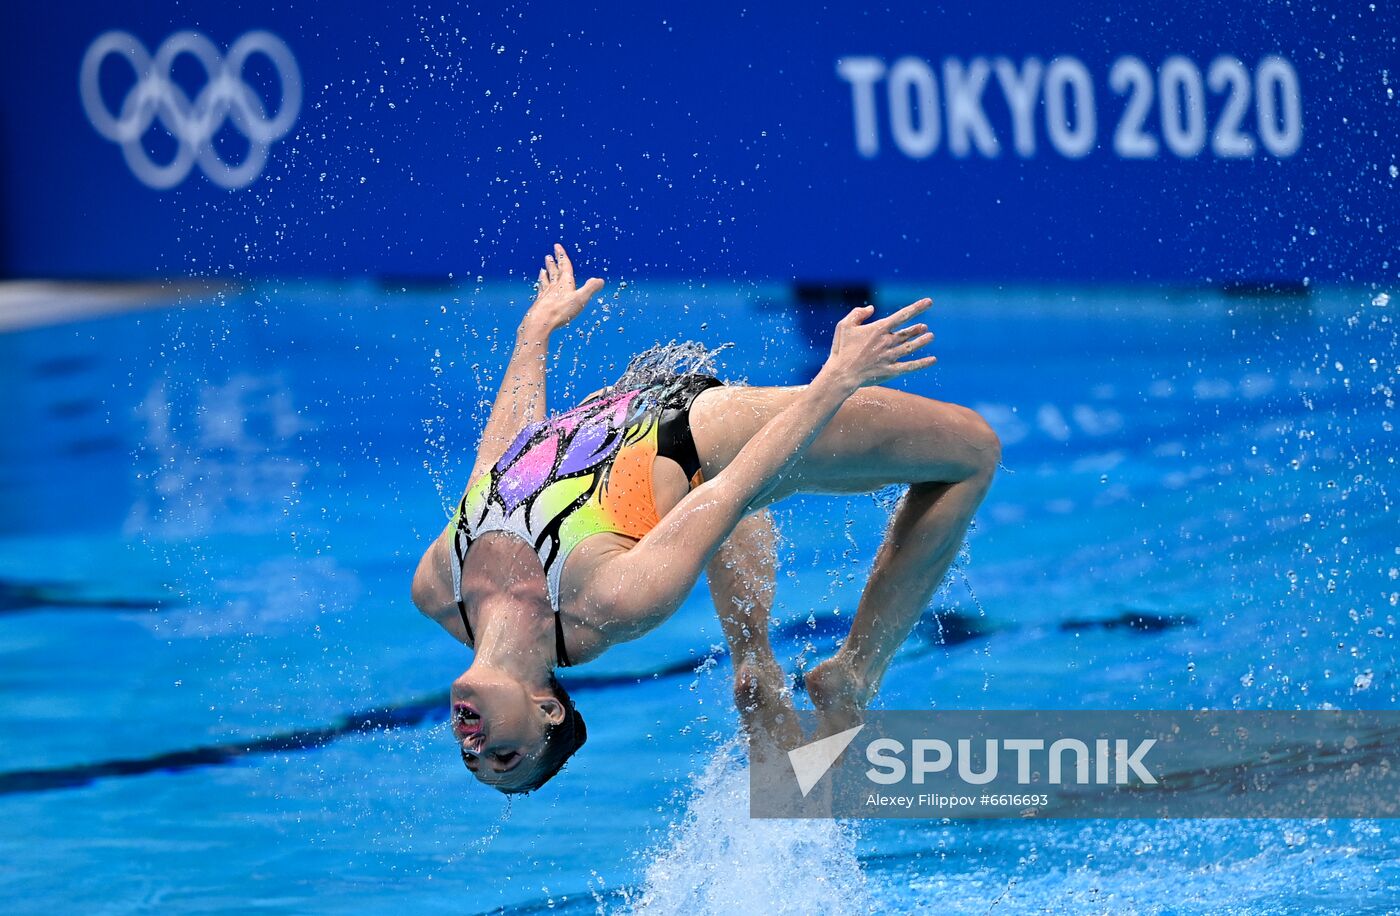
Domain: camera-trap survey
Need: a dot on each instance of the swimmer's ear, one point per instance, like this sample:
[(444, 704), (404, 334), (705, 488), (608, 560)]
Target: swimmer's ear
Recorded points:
[(553, 710)]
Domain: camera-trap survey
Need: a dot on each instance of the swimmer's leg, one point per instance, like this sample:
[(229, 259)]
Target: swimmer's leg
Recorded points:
[(742, 577), (920, 545), (946, 453)]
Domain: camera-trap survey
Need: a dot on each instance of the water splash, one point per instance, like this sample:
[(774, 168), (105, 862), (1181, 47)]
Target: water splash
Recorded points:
[(665, 361), (717, 859)]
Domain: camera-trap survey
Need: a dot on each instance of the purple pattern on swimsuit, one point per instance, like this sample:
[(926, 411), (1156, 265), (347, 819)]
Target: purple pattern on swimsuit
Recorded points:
[(579, 445), (599, 423), (520, 442), (589, 433), (586, 448), (528, 474)]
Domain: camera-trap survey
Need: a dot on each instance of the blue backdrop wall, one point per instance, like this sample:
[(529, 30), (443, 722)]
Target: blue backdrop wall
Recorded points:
[(1000, 140)]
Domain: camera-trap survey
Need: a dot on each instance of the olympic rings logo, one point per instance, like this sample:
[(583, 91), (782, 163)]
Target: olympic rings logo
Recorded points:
[(156, 98)]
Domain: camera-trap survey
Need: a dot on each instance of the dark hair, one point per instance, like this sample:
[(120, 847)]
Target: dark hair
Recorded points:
[(560, 742)]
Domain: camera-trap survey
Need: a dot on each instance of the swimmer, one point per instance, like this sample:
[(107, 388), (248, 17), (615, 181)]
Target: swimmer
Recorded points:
[(588, 529)]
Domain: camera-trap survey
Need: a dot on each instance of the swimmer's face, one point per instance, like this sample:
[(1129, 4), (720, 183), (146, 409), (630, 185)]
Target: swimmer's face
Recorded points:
[(500, 724)]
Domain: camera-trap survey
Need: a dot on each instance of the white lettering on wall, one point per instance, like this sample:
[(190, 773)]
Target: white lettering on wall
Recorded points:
[(1069, 107), (913, 107), (1022, 90), (967, 122), (863, 73), (1180, 108)]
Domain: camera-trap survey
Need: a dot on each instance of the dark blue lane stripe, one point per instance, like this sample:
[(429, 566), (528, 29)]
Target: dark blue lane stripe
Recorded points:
[(1130, 620), (18, 597), (72, 777), (945, 629), (401, 715)]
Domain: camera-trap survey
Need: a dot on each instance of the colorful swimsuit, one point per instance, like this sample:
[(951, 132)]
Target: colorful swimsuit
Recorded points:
[(581, 473)]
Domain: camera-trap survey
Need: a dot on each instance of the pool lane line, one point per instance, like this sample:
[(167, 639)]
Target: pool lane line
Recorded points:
[(945, 629), (379, 719), (32, 304), (39, 597)]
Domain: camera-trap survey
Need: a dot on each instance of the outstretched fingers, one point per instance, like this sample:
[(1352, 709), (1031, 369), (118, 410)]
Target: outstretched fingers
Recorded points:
[(914, 330), (912, 344), (858, 314), (566, 267), (904, 314), (914, 365), (590, 288), (557, 300), (909, 339)]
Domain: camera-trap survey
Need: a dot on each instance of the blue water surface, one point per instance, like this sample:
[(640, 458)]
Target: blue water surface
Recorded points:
[(218, 697)]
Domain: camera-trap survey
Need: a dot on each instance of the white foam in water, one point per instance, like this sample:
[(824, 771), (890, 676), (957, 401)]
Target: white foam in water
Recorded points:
[(719, 860)]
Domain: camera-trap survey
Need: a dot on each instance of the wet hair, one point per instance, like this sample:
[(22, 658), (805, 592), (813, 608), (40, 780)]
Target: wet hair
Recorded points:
[(560, 742)]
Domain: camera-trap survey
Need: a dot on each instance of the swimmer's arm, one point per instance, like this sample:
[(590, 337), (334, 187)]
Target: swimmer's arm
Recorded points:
[(639, 588), (519, 402), (432, 590), (521, 399)]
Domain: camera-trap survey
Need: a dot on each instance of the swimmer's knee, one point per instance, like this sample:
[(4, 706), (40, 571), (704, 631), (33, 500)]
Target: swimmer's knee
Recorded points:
[(978, 448), (986, 442)]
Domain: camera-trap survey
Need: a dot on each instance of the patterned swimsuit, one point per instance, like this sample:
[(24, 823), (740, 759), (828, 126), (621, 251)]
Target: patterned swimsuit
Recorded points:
[(581, 473)]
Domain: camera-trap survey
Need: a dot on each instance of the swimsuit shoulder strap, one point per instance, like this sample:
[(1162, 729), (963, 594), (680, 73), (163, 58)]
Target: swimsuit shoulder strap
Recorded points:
[(459, 556), (462, 610), (560, 653)]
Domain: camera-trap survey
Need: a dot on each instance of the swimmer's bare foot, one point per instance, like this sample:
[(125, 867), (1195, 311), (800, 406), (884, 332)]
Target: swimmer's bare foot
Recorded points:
[(838, 694), (765, 704)]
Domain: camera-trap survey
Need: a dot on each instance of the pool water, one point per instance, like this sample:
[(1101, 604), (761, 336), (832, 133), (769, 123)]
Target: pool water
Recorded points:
[(218, 697)]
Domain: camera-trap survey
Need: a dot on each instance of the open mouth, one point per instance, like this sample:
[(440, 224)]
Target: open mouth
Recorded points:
[(466, 721)]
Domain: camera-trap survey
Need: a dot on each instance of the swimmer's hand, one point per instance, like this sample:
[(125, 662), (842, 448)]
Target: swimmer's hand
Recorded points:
[(869, 353), (557, 301)]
